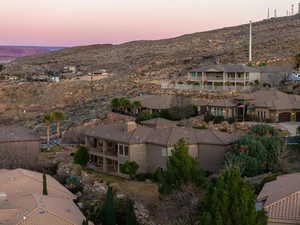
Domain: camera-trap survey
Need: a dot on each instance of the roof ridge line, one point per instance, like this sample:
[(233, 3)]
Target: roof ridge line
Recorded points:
[(284, 198)]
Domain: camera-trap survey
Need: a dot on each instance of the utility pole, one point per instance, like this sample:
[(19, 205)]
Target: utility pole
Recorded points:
[(268, 13), (292, 9), (250, 42), (275, 13)]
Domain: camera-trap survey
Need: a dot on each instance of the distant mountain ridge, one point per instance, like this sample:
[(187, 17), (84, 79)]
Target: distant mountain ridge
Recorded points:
[(275, 40), (9, 53)]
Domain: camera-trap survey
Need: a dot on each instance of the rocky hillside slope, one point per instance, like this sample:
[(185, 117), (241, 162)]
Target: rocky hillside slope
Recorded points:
[(276, 39)]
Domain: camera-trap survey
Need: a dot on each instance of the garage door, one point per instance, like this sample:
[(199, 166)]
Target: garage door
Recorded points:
[(298, 116), (284, 117)]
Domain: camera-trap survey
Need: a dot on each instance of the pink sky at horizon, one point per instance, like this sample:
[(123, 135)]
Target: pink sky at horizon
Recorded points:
[(84, 22)]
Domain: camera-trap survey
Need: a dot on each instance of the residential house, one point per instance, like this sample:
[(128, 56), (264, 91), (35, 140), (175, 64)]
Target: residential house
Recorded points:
[(261, 105), (281, 200), (22, 202), (237, 76), (19, 147), (112, 145), (233, 75), (156, 103)]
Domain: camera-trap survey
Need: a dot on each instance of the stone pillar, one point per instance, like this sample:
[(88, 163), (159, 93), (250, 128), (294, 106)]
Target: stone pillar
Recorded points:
[(235, 80), (202, 78), (224, 80)]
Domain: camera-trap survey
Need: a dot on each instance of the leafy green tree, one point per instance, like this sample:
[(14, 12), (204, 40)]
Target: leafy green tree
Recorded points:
[(297, 59), (130, 217), (81, 156), (125, 104), (231, 201), (58, 116), (130, 168), (145, 115), (109, 208), (48, 120), (45, 188), (1, 67)]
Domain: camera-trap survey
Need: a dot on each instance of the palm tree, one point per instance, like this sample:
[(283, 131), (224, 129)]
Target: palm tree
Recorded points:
[(48, 120), (58, 116), (136, 105), (125, 104), (115, 104)]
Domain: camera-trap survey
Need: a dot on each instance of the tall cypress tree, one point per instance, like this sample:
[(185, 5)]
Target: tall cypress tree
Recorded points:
[(109, 209), (45, 189), (231, 201), (130, 218)]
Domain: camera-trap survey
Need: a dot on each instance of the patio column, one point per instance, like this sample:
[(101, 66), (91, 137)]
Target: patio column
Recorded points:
[(224, 79), (235, 80), (244, 79), (202, 78)]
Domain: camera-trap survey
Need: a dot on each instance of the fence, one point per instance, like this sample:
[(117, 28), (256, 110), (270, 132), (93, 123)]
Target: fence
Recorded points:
[(188, 87)]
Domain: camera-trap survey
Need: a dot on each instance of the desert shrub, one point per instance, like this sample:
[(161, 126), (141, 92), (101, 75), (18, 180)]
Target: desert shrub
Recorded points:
[(202, 127)]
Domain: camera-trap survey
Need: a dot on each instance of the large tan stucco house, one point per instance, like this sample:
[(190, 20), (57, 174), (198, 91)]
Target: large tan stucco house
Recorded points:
[(112, 145), (281, 200), (19, 147), (237, 76), (261, 105), (22, 202)]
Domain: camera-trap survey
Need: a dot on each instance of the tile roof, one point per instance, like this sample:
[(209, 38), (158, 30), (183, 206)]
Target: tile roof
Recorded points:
[(226, 68), (282, 198), (21, 202), (160, 101), (16, 133), (161, 136), (159, 122), (275, 100)]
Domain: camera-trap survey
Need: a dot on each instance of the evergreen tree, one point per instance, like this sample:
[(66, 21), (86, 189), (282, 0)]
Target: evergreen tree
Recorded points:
[(45, 189), (130, 218), (230, 200), (181, 169), (81, 156), (109, 209)]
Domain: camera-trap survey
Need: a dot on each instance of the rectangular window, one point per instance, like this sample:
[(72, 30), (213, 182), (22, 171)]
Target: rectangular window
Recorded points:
[(126, 150), (121, 149), (164, 152)]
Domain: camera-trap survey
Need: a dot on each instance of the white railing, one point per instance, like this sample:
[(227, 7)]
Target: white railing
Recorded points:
[(204, 88)]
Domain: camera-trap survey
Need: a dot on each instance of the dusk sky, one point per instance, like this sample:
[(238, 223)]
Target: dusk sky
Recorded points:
[(83, 22)]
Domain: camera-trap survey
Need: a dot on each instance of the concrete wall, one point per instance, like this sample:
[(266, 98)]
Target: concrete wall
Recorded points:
[(19, 154), (211, 157)]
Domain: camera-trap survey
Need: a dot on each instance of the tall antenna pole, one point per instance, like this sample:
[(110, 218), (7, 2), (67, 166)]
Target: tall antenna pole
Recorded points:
[(292, 9), (250, 41), (275, 13), (268, 13), (299, 8)]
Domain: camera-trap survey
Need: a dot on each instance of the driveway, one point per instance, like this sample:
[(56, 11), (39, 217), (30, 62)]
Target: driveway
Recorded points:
[(291, 127)]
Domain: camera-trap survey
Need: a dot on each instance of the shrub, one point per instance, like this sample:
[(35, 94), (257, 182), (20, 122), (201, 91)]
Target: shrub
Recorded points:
[(202, 127), (145, 115), (231, 120), (81, 156), (130, 168)]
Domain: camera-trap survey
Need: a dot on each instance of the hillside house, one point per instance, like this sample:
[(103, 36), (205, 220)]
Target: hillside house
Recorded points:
[(281, 200), (237, 76), (19, 147), (112, 145), (22, 202), (261, 105)]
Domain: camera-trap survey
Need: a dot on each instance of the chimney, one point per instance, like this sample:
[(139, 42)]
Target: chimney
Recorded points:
[(130, 126)]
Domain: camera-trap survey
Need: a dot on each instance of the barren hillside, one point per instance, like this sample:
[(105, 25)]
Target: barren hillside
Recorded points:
[(276, 39)]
